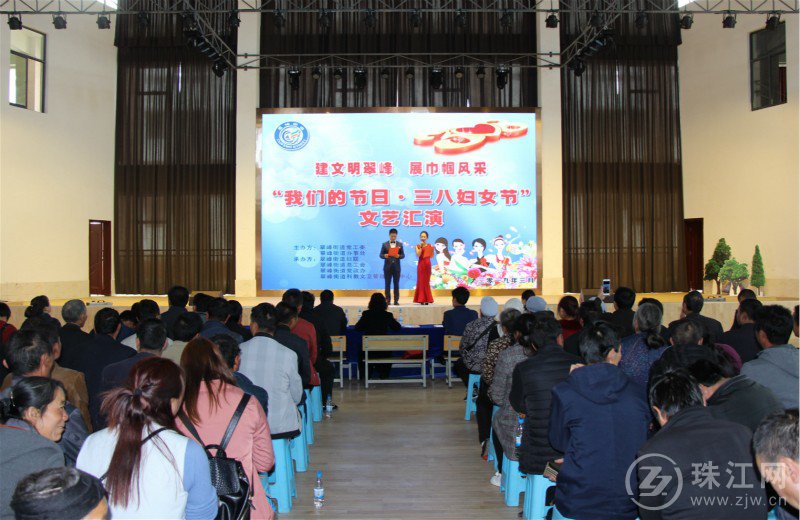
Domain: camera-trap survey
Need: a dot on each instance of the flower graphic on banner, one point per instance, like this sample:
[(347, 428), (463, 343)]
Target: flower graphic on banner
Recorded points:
[(521, 272)]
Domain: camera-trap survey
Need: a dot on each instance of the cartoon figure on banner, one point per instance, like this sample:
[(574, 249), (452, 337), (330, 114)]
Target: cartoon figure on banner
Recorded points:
[(479, 247), (459, 264), (442, 254)]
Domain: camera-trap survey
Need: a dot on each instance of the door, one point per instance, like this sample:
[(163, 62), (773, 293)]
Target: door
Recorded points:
[(100, 257), (693, 236)]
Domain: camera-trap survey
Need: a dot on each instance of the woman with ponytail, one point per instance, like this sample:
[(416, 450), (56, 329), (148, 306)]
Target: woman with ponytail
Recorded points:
[(32, 420), (149, 469), (641, 350), (40, 306)]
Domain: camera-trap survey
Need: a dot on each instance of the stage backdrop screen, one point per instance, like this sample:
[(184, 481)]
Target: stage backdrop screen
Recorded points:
[(334, 184)]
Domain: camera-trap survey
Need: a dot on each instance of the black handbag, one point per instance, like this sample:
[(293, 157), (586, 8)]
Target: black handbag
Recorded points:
[(227, 475)]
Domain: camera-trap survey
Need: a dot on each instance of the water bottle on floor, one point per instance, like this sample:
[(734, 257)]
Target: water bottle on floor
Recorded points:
[(319, 492), (518, 434), (328, 407)]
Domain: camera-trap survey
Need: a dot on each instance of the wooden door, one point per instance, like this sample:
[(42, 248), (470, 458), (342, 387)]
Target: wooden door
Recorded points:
[(693, 236), (100, 257)]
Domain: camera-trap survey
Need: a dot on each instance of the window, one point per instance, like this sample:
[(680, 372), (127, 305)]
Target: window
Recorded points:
[(768, 67), (26, 73)]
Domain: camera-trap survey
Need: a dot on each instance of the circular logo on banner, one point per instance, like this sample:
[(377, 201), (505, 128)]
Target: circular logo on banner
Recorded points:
[(291, 136)]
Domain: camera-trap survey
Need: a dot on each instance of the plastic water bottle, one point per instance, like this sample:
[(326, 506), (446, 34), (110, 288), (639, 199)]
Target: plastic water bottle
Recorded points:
[(518, 434), (328, 407), (319, 492)]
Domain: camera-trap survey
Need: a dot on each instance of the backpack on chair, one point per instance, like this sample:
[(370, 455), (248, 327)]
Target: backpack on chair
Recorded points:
[(227, 475)]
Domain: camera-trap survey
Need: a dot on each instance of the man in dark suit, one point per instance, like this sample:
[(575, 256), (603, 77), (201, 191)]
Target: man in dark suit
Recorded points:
[(151, 338), (100, 352), (287, 317), (622, 317), (178, 297), (391, 264), (690, 310), (457, 318), (71, 335), (329, 315), (743, 337)]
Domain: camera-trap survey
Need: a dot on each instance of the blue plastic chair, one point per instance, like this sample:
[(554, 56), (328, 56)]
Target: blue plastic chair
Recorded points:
[(316, 403), (280, 483), (474, 382), (298, 447), (308, 423), (558, 516), (536, 487), (513, 482)]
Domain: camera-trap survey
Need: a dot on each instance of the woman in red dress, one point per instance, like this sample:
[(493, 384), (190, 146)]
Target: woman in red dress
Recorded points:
[(424, 252)]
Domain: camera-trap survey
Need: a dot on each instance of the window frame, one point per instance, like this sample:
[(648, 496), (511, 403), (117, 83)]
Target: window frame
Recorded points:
[(43, 61), (766, 58)]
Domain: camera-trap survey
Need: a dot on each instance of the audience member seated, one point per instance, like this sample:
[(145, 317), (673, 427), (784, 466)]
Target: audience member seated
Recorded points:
[(234, 322), (532, 384), (643, 348), (535, 304), (186, 327), (589, 312), (568, 316), (733, 398), (796, 316), (232, 354), (218, 313), (663, 331), (129, 320), (304, 330), (210, 401), (330, 315), (32, 353), (507, 319), (323, 367), (30, 425), (149, 469), (505, 420), (377, 321), (743, 337), (59, 493), (151, 338), (598, 419), (40, 307), (273, 367), (776, 367), (286, 318), (690, 436), (775, 446), (71, 334), (200, 303), (527, 293), (693, 333), (178, 298), (100, 352), (6, 331), (622, 317), (457, 318), (474, 343), (146, 310), (690, 311), (744, 294)]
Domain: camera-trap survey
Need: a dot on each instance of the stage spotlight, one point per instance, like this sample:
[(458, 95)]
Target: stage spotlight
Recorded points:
[(370, 20), (773, 21), (15, 22), (596, 21), (219, 67), (501, 77), (641, 20), (385, 73), (551, 22), (459, 73), (360, 78), (143, 20), (578, 66), (60, 21), (409, 73), (480, 72), (278, 19), (103, 21), (506, 20), (416, 18), (233, 19), (338, 73), (686, 21), (729, 21), (294, 78), (436, 78), (461, 19), (316, 73), (324, 19)]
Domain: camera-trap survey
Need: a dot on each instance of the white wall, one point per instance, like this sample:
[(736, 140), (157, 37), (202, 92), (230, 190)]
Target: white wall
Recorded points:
[(57, 167), (741, 167)]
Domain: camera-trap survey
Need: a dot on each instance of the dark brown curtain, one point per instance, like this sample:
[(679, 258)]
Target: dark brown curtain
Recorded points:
[(175, 162), (394, 34), (622, 181)]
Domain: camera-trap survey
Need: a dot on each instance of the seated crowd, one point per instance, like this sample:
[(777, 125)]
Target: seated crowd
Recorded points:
[(616, 403), (112, 422)]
